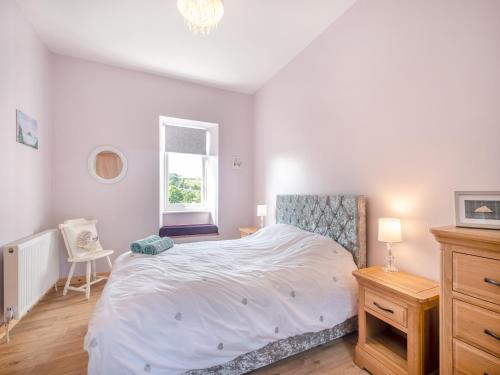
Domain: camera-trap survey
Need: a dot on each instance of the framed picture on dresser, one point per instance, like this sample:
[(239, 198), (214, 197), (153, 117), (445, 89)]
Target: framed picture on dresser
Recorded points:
[(477, 209)]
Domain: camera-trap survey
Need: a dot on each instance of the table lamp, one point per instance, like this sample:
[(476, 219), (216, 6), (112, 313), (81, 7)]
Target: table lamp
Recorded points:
[(262, 213), (389, 231)]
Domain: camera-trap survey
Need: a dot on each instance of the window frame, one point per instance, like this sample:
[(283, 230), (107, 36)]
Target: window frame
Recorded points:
[(186, 207)]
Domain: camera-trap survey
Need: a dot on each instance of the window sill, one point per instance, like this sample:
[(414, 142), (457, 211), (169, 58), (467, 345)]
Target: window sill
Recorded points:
[(187, 211)]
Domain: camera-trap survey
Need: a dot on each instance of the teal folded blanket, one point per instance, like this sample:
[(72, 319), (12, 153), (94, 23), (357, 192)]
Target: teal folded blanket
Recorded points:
[(159, 246), (139, 245)]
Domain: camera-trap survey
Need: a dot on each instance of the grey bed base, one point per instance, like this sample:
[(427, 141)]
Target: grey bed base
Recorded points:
[(340, 217), (278, 350)]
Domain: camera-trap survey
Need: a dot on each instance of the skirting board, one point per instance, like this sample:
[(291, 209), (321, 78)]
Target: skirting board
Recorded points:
[(78, 279)]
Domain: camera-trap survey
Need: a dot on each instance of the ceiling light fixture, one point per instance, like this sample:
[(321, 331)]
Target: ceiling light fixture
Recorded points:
[(201, 16)]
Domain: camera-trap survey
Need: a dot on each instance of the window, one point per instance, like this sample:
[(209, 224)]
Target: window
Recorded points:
[(186, 180), (189, 171)]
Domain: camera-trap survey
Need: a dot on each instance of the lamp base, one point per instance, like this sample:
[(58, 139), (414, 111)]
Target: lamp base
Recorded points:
[(390, 267)]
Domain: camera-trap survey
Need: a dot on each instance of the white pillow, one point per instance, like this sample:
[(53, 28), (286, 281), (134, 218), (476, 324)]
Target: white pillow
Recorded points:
[(71, 234)]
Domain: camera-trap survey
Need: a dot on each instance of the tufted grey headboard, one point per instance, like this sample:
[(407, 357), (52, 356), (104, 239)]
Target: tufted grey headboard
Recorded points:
[(341, 217)]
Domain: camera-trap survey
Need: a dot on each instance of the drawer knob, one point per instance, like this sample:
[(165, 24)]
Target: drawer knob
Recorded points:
[(492, 334), (491, 281), (383, 308)]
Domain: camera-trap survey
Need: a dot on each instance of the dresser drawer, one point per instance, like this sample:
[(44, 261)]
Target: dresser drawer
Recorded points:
[(477, 276), (476, 326), (471, 361), (385, 307)]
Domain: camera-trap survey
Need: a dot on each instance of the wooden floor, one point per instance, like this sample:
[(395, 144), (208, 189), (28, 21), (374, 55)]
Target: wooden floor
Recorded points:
[(49, 340)]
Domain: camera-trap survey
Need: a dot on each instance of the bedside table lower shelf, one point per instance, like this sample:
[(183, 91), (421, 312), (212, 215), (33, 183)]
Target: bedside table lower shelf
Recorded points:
[(386, 341), (391, 347), (385, 349)]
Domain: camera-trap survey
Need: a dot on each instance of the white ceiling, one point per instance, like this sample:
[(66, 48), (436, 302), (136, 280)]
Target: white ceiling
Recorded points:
[(255, 39)]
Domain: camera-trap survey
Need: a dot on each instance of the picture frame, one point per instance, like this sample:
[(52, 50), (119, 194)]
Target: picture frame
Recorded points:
[(477, 209), (26, 130)]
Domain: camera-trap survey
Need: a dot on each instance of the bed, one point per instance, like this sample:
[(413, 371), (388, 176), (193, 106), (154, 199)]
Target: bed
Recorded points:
[(230, 307)]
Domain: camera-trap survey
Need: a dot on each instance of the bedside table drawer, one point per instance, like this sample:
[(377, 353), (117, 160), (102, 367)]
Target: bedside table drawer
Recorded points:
[(477, 326), (477, 276), (472, 361), (386, 308)]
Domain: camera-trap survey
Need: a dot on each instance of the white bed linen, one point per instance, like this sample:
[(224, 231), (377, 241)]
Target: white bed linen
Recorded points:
[(202, 304)]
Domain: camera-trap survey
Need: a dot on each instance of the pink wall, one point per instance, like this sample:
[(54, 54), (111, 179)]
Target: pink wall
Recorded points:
[(398, 100), (25, 173), (97, 104)]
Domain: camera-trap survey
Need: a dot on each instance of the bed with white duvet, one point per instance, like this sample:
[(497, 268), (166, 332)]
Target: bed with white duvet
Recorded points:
[(223, 307)]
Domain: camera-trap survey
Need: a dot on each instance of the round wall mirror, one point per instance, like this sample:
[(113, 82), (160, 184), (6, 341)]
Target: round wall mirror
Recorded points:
[(107, 164)]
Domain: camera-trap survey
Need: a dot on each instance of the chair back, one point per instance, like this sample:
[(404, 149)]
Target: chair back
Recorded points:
[(70, 231)]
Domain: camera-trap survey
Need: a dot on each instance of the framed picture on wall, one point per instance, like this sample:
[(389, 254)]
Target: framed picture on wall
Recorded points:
[(477, 209), (26, 130)]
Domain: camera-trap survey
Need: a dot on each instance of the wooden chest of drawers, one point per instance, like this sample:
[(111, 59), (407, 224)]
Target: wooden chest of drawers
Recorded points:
[(470, 301)]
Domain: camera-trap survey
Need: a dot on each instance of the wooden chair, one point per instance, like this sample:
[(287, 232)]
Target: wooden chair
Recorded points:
[(70, 230)]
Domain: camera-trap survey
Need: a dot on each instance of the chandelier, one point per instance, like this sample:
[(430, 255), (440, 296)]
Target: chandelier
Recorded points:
[(201, 16)]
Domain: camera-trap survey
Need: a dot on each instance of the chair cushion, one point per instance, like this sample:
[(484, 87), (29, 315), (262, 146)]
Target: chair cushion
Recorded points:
[(71, 233)]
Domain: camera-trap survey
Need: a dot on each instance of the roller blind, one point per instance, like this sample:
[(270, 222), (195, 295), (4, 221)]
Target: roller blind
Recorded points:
[(185, 140)]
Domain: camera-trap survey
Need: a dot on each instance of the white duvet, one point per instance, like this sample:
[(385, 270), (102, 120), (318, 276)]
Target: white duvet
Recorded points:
[(202, 304)]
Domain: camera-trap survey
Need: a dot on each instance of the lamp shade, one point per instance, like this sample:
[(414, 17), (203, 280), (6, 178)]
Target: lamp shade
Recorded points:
[(389, 230), (261, 210)]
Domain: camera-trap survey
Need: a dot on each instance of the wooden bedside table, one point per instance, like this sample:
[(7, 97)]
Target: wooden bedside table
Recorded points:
[(247, 231), (398, 323)]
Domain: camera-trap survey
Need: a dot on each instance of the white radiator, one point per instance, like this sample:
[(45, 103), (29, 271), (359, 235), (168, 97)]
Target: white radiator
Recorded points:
[(30, 268)]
